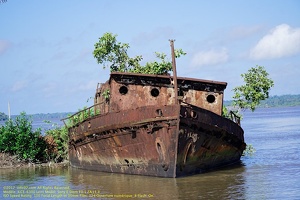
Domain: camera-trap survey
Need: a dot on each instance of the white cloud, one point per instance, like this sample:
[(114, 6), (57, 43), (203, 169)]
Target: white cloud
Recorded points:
[(19, 85), (282, 41), (211, 57)]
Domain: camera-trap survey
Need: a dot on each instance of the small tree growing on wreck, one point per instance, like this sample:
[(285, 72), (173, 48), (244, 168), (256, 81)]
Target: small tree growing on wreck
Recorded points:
[(113, 54), (256, 88), (110, 52)]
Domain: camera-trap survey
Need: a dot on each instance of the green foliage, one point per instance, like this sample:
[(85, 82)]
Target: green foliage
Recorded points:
[(106, 94), (83, 114), (3, 116), (234, 115), (114, 54), (57, 139), (158, 67), (256, 88), (225, 112), (17, 137), (250, 150)]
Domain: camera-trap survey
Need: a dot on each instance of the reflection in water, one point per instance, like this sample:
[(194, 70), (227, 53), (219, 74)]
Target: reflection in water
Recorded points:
[(225, 183), (273, 172), (30, 176)]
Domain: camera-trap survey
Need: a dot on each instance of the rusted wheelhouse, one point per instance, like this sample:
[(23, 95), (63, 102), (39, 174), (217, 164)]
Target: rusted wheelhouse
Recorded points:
[(142, 124)]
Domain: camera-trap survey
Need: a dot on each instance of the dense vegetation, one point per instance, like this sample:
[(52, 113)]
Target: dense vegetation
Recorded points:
[(17, 137), (276, 101), (57, 140), (3, 116)]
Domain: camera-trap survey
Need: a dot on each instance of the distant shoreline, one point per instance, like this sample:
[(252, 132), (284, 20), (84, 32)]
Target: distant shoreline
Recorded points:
[(271, 102), (49, 116), (275, 101), (46, 116)]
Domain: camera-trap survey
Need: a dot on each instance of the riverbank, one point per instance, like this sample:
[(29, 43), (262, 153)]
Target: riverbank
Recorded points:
[(12, 161)]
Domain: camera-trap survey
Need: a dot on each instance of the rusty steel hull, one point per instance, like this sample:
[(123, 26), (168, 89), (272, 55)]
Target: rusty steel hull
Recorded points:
[(164, 141), (206, 141)]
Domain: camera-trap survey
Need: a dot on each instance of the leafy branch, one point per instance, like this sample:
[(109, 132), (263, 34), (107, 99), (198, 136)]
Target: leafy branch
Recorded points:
[(113, 54), (256, 88)]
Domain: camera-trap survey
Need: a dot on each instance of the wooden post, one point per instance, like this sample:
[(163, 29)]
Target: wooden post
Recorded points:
[(174, 70)]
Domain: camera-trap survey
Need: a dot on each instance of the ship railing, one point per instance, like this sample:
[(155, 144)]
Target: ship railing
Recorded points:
[(232, 115), (86, 113)]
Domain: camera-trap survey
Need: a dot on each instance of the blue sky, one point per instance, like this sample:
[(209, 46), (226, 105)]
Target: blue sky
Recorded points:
[(46, 47)]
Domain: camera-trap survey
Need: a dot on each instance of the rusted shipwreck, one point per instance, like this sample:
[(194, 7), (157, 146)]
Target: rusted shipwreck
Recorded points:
[(140, 124)]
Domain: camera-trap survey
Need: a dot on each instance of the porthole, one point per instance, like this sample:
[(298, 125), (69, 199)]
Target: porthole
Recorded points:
[(123, 90), (154, 92), (210, 98)]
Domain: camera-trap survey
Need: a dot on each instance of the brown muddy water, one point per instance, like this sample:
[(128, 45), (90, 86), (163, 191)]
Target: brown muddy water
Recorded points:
[(272, 172)]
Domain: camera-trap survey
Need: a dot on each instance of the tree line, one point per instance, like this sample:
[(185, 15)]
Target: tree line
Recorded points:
[(276, 101), (39, 116)]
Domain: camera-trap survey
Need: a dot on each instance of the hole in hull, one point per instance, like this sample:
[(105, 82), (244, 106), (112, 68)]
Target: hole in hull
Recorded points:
[(154, 92), (123, 90)]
